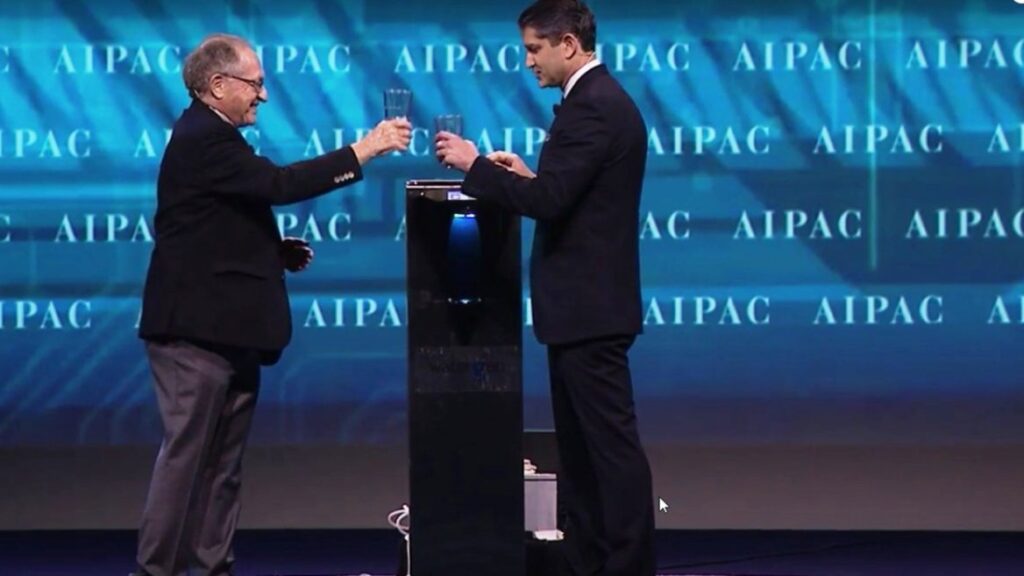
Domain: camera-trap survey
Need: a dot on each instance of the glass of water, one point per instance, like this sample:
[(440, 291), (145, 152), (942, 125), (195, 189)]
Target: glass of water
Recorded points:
[(396, 103), (448, 123)]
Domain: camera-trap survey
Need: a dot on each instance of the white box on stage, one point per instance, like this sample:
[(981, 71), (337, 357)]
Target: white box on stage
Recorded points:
[(541, 497)]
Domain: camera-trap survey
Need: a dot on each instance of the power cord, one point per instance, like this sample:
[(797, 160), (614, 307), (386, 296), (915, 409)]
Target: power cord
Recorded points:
[(395, 519)]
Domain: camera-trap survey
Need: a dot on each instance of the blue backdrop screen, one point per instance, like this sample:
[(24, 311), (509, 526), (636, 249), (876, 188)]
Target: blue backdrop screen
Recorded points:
[(832, 225)]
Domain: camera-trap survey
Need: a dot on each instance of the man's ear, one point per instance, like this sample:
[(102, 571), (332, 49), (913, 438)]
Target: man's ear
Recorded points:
[(570, 45), (217, 86)]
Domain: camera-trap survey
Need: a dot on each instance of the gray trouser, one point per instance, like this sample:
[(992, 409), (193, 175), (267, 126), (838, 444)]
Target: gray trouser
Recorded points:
[(206, 397)]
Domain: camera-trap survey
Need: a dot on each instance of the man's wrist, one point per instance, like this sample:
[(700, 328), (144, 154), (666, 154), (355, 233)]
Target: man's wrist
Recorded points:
[(363, 151)]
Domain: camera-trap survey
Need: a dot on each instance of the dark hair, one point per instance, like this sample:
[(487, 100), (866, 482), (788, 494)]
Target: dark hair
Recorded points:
[(552, 19)]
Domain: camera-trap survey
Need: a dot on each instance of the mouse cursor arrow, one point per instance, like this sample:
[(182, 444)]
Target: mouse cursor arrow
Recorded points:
[(662, 505)]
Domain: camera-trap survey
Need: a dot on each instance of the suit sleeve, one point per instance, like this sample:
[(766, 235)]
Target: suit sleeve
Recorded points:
[(570, 165), (234, 169)]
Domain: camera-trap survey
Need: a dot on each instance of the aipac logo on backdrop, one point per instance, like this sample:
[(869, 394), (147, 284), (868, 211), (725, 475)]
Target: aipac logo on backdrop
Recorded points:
[(103, 228), (355, 313), (1007, 310), (800, 225), (675, 226), (793, 56), (145, 146), (456, 57), (314, 228), (1002, 138), (790, 224), (30, 143), (452, 58), (167, 59), (90, 59), (305, 59), (705, 310), (965, 223), (880, 139), (720, 140), (877, 309), (966, 53), (45, 315), (649, 57)]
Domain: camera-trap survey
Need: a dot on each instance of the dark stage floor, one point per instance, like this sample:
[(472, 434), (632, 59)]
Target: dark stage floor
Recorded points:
[(774, 553)]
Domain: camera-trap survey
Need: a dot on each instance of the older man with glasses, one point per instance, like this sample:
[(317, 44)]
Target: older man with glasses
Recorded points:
[(215, 306)]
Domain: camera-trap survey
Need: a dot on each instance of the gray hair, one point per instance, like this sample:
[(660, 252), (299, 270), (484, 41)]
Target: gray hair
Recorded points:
[(217, 53)]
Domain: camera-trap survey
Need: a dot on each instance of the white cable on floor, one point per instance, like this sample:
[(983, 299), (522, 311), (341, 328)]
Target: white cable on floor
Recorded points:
[(395, 519)]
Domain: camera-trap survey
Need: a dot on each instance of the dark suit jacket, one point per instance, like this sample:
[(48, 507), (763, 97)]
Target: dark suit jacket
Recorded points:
[(585, 264), (215, 274)]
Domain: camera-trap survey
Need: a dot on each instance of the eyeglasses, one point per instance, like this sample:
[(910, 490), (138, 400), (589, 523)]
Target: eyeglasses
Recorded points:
[(257, 85)]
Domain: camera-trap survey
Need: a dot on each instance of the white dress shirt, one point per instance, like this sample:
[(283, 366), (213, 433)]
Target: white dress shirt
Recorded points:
[(594, 63)]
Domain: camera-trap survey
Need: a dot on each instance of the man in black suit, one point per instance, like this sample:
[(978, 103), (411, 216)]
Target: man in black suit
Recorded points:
[(584, 280), (215, 306)]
